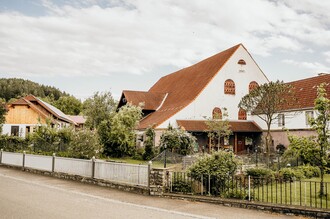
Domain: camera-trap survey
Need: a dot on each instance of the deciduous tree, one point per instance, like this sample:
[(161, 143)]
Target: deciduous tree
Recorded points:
[(265, 102), (98, 108)]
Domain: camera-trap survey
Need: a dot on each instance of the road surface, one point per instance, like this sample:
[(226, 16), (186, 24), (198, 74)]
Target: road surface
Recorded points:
[(26, 195)]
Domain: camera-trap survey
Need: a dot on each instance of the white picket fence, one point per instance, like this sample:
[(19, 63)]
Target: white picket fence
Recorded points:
[(110, 171)]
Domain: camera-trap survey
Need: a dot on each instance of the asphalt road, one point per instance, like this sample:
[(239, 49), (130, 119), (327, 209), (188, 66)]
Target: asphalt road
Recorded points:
[(26, 195)]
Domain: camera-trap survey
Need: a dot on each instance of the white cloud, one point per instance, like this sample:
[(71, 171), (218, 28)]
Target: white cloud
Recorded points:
[(315, 67), (100, 37)]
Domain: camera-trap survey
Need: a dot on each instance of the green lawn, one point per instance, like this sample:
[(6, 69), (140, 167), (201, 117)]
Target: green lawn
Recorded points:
[(304, 193), (129, 160)]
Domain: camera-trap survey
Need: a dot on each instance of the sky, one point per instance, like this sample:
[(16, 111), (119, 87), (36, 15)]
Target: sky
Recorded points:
[(88, 46)]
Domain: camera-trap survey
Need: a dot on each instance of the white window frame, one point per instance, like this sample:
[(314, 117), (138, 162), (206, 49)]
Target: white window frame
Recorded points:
[(281, 120)]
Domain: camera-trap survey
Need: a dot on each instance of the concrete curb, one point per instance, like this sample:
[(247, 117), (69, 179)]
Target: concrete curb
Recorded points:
[(274, 208)]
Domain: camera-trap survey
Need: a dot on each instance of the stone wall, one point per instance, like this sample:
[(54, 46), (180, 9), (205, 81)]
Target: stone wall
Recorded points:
[(159, 178)]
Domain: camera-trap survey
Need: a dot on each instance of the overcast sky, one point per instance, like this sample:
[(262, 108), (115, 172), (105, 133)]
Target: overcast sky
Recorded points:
[(84, 46)]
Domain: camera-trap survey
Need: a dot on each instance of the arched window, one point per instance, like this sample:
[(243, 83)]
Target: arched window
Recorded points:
[(229, 87), (241, 114), (253, 85), (241, 62), (216, 113)]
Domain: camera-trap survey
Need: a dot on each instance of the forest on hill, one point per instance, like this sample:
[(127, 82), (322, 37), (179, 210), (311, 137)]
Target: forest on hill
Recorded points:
[(15, 88)]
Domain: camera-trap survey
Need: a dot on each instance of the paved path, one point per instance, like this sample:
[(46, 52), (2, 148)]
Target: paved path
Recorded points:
[(26, 195)]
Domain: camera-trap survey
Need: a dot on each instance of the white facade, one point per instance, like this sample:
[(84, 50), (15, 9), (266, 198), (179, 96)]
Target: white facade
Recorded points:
[(213, 94)]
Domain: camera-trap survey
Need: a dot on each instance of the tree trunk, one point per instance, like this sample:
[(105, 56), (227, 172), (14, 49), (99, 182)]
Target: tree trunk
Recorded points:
[(322, 183)]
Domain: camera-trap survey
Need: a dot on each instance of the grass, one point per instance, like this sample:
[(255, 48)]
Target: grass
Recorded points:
[(129, 160), (304, 193)]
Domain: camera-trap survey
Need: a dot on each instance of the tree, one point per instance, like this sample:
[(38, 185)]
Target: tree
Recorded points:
[(118, 133), (98, 108), (178, 140), (69, 105), (149, 152), (218, 127), (3, 112), (85, 144), (265, 102)]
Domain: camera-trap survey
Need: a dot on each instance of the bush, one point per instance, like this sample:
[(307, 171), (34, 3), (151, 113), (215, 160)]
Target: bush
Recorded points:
[(181, 185), (309, 171), (260, 172), (289, 174), (13, 143), (221, 164)]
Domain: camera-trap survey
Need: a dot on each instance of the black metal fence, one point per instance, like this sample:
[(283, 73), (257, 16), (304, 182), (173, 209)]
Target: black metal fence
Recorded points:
[(269, 190)]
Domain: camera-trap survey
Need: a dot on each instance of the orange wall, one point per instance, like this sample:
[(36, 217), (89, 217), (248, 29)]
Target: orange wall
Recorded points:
[(23, 115)]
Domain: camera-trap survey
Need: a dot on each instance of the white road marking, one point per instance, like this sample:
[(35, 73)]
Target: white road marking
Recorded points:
[(107, 199)]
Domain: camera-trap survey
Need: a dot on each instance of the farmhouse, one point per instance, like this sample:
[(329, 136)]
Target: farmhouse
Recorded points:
[(186, 98), (29, 112)]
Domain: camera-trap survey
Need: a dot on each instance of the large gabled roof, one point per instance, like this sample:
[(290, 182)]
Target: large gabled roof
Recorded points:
[(183, 86), (305, 91)]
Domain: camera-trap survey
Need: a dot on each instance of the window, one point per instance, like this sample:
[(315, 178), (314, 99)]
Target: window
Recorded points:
[(241, 114), (308, 115), (281, 120), (216, 113), (14, 130), (241, 62), (253, 85), (229, 87)]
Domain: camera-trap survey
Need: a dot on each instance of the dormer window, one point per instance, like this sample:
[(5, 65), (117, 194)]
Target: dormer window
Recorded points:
[(229, 87), (216, 113), (253, 85), (241, 114)]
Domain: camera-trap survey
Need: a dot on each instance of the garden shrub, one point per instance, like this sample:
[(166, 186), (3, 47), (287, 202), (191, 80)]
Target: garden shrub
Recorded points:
[(259, 172), (13, 143), (290, 174), (309, 171), (181, 185)]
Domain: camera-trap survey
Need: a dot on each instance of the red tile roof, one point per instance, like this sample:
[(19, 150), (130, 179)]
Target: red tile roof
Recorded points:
[(184, 86), (306, 91), (151, 100), (235, 126), (78, 119)]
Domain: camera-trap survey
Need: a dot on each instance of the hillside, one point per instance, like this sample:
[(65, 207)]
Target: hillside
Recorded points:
[(16, 87)]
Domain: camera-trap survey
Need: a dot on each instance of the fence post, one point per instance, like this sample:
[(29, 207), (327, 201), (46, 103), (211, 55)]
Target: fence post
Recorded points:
[(23, 164), (53, 163), (249, 188), (202, 185), (149, 172), (1, 156), (93, 167)]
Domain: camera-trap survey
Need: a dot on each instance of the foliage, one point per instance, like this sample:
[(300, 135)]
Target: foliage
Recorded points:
[(149, 151), (290, 174), (16, 88), (50, 139), (181, 185), (260, 172), (218, 127), (313, 150), (84, 144), (98, 108), (68, 105), (309, 171), (221, 164), (13, 143), (177, 140), (3, 113), (266, 101), (118, 134)]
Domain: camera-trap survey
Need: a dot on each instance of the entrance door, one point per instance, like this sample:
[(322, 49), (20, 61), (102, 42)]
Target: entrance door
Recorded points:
[(240, 143)]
